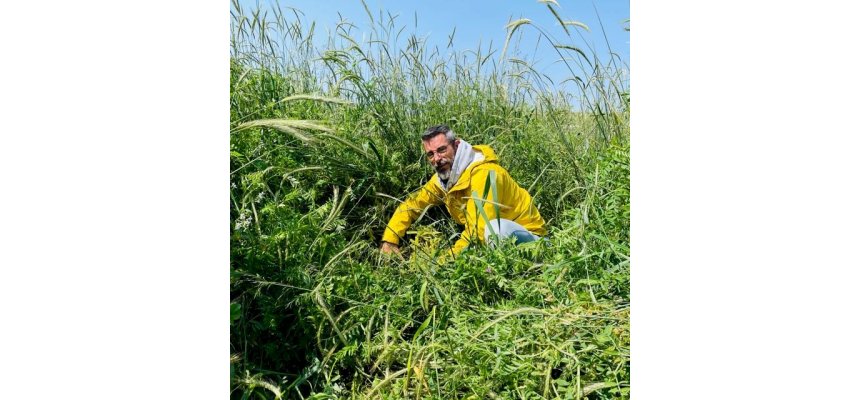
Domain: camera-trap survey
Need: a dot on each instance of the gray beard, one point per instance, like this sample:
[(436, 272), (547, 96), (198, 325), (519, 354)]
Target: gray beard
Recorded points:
[(447, 174)]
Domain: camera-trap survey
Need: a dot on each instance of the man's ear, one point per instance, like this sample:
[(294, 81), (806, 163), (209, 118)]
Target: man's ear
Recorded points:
[(456, 143)]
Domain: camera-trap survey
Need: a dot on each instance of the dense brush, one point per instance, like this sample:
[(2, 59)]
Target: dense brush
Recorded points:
[(325, 143)]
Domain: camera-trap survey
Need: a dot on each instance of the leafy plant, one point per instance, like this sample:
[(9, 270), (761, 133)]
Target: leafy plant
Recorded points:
[(324, 144)]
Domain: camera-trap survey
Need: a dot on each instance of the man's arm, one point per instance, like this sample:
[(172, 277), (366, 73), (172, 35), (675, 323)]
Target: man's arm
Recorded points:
[(429, 195)]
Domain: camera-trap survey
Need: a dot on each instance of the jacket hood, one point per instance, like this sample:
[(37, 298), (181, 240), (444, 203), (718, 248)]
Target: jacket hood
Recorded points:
[(468, 157)]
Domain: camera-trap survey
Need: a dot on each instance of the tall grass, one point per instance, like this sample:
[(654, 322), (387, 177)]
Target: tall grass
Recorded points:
[(324, 146)]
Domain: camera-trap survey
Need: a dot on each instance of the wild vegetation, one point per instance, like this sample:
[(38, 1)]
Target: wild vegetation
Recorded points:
[(324, 144)]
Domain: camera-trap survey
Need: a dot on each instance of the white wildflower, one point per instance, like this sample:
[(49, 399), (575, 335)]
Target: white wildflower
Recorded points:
[(243, 221)]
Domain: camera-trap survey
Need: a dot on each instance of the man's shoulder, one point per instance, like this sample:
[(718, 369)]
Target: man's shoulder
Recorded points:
[(482, 171), (486, 151), (434, 183), (488, 165)]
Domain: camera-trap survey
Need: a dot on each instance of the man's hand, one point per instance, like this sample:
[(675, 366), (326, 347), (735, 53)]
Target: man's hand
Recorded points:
[(389, 248)]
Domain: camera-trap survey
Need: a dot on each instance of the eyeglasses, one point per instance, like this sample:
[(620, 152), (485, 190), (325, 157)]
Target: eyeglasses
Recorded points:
[(441, 150)]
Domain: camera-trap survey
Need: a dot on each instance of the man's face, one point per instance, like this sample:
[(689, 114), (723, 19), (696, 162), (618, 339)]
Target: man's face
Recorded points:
[(440, 153)]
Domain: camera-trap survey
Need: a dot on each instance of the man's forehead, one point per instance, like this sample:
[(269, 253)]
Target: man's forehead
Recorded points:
[(435, 142)]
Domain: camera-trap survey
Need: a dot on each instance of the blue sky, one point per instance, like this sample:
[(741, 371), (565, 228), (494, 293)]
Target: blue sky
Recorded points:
[(482, 21)]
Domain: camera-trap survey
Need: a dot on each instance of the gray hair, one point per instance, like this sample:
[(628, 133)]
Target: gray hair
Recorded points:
[(437, 130)]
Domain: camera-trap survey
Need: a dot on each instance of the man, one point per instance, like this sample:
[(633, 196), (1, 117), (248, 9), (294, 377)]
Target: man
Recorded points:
[(461, 183)]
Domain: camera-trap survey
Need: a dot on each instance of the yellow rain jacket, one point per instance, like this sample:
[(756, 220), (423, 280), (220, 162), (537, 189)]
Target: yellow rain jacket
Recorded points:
[(514, 203)]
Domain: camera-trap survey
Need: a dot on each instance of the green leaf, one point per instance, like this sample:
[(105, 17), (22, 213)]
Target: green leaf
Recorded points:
[(314, 97), (235, 312), (424, 325), (479, 205)]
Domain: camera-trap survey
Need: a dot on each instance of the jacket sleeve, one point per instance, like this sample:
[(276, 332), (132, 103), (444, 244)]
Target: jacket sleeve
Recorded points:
[(476, 221), (430, 194)]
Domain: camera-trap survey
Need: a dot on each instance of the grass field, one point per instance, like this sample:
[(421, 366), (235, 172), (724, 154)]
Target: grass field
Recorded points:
[(325, 144)]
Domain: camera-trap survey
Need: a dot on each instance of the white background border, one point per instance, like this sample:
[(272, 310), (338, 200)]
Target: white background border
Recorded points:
[(115, 246)]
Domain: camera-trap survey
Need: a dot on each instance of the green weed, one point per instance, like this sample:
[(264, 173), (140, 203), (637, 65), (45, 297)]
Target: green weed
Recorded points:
[(324, 144)]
